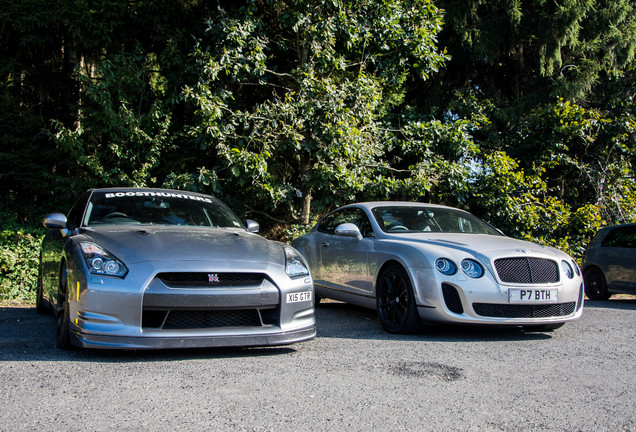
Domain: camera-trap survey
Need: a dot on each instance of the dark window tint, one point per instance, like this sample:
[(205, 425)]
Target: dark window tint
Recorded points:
[(623, 237), (415, 219), (158, 208), (348, 215), (74, 216)]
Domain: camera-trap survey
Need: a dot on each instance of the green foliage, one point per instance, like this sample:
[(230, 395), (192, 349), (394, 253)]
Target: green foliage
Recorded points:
[(521, 54), (518, 202), (587, 155), (124, 127), (296, 120), (294, 231), (19, 258), (522, 112), (521, 204)]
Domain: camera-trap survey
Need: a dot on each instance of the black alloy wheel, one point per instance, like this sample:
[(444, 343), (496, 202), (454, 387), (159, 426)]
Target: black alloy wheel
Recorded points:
[(395, 302), (595, 285)]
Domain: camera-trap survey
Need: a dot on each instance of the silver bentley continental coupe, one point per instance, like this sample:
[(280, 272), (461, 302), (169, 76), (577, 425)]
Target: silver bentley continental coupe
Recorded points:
[(419, 263), (156, 268)]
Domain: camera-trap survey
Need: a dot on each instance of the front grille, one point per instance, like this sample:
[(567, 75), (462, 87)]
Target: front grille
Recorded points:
[(207, 280), (498, 310), (208, 319), (580, 302), (182, 319), (452, 299), (527, 270)]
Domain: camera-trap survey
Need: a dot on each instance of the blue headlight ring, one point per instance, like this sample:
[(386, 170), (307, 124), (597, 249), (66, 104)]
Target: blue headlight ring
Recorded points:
[(472, 268)]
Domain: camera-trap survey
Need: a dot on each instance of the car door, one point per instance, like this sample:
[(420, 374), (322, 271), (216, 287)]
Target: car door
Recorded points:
[(618, 255), (344, 260), (53, 249)]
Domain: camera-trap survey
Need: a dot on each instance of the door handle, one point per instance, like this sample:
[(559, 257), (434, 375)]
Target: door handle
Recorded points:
[(325, 244)]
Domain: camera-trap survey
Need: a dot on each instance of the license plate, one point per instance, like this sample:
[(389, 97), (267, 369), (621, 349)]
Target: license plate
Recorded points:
[(299, 297), (533, 295)]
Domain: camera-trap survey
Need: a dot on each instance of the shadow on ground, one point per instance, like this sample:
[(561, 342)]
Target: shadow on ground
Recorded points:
[(28, 336)]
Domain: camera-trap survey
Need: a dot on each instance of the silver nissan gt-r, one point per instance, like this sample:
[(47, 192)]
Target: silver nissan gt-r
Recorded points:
[(132, 268), (418, 262)]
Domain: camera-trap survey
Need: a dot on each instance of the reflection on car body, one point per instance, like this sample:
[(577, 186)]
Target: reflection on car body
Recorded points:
[(156, 268), (416, 262), (609, 264)]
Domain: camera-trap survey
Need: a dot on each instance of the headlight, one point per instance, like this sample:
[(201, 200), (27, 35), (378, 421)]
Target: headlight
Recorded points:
[(567, 269), (445, 266), (472, 268), (576, 268), (101, 262), (295, 266)]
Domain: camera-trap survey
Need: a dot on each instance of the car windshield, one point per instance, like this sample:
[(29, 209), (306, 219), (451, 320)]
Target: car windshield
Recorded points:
[(416, 219), (157, 208)]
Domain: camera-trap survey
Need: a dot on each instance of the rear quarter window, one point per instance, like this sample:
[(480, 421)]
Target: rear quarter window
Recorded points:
[(622, 237)]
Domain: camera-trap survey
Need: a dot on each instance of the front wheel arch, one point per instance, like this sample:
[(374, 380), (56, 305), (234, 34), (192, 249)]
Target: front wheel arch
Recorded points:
[(595, 284), (383, 267), (395, 300), (62, 314)]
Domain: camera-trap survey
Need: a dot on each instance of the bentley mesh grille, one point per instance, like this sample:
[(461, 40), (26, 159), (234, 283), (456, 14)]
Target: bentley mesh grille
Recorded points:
[(452, 299), (207, 319), (498, 310), (527, 270), (206, 280), (580, 302)]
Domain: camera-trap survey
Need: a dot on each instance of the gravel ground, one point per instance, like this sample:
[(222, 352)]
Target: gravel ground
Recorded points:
[(352, 377)]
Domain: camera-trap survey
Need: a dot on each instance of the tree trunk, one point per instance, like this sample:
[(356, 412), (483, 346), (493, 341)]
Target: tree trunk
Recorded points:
[(306, 212), (303, 171)]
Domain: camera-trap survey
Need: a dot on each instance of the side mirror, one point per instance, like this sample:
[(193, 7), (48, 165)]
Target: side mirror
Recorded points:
[(348, 230), (54, 220), (252, 226)]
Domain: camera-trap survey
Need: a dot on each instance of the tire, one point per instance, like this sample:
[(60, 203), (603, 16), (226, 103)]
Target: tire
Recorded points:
[(62, 330), (542, 327), (395, 302), (40, 307), (595, 284)]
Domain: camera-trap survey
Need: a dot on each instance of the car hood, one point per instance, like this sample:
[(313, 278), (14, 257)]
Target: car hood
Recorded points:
[(173, 243), (490, 246)]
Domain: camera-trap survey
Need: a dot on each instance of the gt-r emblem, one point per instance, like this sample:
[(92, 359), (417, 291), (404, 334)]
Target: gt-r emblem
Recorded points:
[(213, 278)]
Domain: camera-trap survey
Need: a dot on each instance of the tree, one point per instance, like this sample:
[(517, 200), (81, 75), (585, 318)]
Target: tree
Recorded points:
[(53, 55), (520, 55), (296, 118)]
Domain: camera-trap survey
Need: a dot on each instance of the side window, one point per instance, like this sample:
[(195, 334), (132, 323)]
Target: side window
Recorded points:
[(624, 237), (74, 216), (364, 225), (349, 215)]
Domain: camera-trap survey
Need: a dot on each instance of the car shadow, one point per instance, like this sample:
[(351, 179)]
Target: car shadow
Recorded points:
[(26, 335), (346, 321), (29, 336), (612, 303)]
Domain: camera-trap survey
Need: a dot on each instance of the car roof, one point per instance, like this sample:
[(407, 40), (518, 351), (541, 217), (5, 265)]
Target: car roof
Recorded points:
[(372, 204), (621, 225)]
